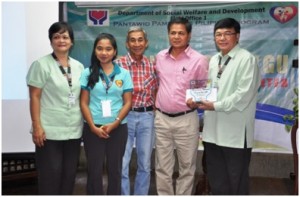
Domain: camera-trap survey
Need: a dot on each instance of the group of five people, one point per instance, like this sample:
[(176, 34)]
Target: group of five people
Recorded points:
[(118, 103)]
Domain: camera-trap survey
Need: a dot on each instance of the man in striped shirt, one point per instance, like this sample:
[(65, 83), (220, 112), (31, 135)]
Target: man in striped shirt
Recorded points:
[(141, 117)]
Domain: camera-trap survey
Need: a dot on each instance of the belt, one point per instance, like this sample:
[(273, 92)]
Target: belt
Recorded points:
[(142, 109), (176, 114)]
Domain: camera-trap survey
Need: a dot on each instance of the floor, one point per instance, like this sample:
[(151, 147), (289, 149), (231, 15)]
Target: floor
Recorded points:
[(258, 186)]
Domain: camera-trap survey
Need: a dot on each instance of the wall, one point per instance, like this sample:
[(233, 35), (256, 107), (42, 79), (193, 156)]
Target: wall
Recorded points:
[(25, 38)]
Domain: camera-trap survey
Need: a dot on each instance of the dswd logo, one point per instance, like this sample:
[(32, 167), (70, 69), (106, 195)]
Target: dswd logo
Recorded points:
[(97, 18)]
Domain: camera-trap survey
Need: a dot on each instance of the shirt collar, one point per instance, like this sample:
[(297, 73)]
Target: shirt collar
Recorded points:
[(187, 51), (232, 52), (116, 70), (133, 62)]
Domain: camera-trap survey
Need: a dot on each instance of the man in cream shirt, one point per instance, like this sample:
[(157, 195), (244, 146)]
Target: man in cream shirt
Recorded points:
[(229, 122)]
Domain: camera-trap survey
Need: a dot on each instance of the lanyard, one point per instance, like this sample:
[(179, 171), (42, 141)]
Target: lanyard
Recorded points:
[(221, 69), (107, 85), (68, 75)]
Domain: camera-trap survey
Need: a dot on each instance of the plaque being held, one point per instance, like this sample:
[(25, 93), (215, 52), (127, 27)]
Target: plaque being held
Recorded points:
[(201, 90)]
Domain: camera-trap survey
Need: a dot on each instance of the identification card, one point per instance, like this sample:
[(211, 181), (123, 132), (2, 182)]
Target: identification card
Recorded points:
[(106, 108), (71, 99), (199, 94)]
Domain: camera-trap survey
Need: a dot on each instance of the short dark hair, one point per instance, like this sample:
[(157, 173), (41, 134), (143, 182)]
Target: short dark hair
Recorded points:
[(228, 23), (60, 27), (180, 20)]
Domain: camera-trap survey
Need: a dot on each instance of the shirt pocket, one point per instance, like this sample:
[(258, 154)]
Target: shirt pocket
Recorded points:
[(185, 78)]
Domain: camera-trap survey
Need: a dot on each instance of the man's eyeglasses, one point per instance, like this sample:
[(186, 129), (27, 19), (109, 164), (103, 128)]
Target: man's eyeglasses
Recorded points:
[(226, 35)]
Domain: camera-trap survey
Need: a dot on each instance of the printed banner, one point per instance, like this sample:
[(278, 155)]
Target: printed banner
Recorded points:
[(268, 29)]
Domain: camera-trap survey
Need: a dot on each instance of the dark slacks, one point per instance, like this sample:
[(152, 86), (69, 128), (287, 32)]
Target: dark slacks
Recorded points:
[(227, 169), (98, 150), (57, 163)]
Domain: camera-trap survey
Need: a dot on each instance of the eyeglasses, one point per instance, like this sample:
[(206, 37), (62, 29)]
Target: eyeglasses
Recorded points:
[(226, 35)]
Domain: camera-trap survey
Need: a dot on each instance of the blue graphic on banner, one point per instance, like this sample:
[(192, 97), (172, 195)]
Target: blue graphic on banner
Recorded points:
[(272, 113)]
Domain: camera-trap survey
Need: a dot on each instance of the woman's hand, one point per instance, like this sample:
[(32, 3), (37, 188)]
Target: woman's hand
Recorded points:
[(38, 136), (100, 132), (38, 133), (111, 126)]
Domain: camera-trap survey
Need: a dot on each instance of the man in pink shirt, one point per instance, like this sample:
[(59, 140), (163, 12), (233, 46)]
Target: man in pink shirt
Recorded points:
[(177, 125)]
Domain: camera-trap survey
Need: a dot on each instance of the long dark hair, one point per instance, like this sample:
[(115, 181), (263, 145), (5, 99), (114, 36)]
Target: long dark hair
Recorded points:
[(95, 63)]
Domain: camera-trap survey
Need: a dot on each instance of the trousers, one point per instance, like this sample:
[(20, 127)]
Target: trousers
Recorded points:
[(227, 169), (98, 151), (140, 134), (57, 163), (180, 133)]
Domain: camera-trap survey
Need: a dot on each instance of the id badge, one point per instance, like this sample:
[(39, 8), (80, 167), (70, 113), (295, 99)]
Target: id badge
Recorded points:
[(215, 83), (106, 108), (71, 99)]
